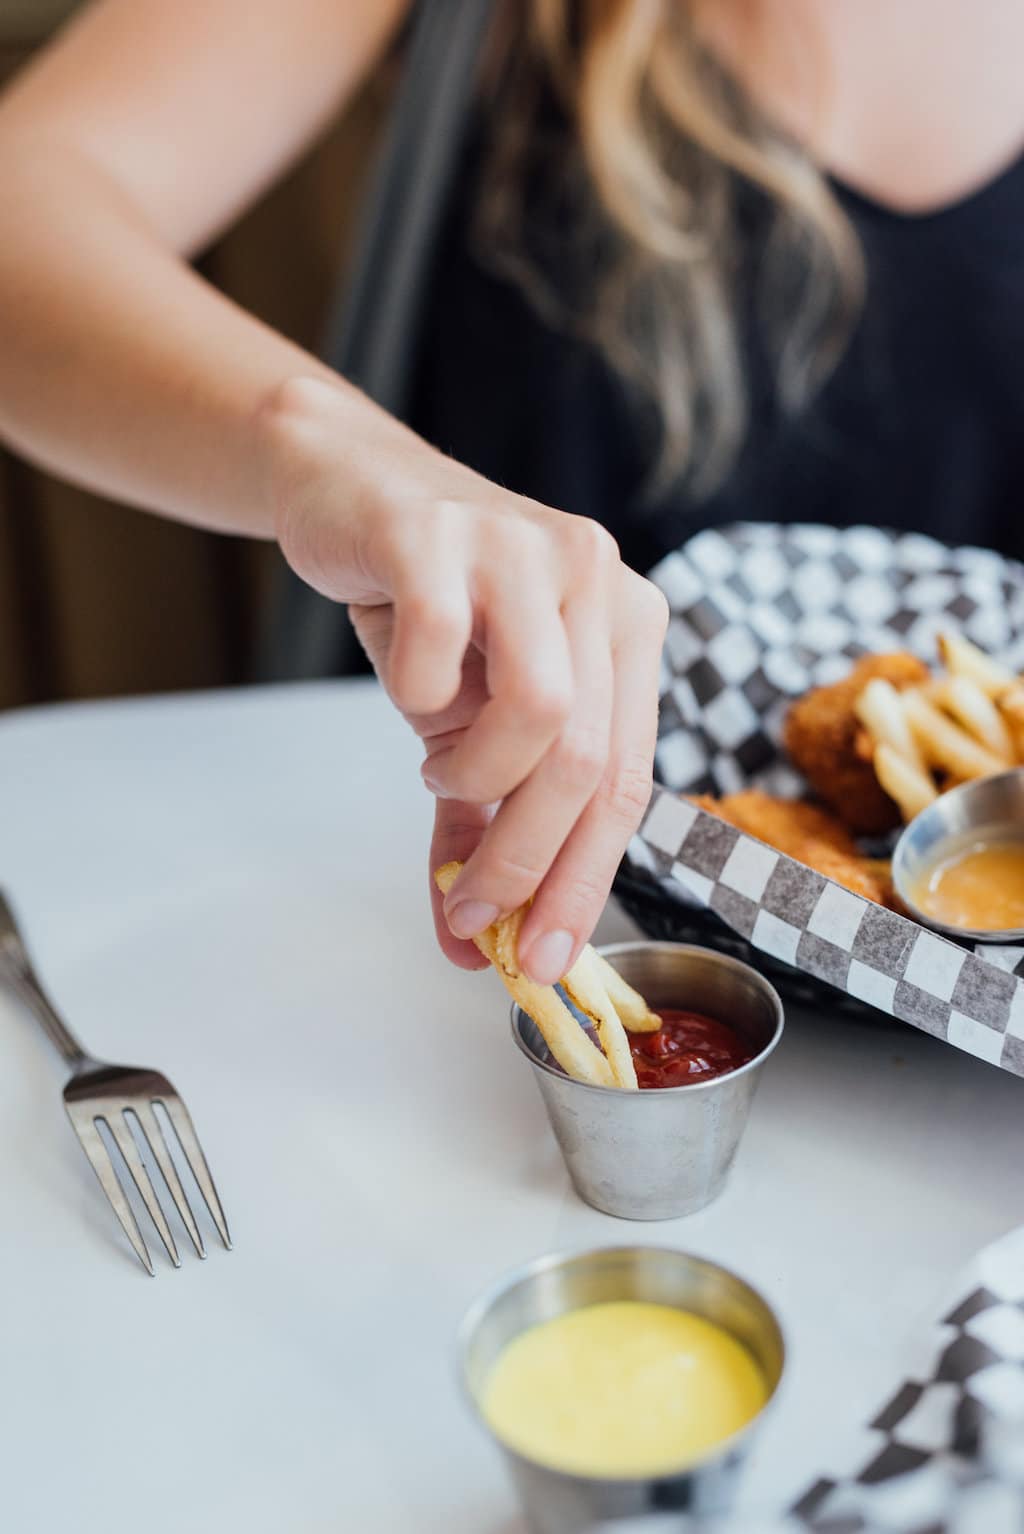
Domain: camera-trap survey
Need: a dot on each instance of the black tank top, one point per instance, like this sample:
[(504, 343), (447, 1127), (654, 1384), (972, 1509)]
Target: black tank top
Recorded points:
[(919, 427)]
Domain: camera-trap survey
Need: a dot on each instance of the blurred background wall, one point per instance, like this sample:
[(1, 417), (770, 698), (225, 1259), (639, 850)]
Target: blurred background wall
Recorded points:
[(97, 599)]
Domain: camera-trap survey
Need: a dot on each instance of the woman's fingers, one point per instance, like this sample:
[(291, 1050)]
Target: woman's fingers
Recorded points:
[(530, 572), (527, 659), (433, 627), (572, 895), (375, 629), (530, 686), (457, 832), (425, 666), (525, 836), (421, 561)]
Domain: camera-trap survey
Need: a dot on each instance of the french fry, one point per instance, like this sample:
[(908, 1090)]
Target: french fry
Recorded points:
[(585, 986), (967, 701), (506, 939), (590, 985), (933, 689), (944, 744), (1011, 709), (963, 658), (636, 1015), (575, 1052), (912, 789), (880, 710)]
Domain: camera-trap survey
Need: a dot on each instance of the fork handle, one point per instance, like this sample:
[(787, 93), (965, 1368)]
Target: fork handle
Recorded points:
[(16, 972)]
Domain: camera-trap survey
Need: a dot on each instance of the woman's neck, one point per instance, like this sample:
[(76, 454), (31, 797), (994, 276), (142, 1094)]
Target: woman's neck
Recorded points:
[(915, 103)]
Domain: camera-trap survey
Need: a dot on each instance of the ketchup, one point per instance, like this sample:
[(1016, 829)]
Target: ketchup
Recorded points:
[(687, 1047)]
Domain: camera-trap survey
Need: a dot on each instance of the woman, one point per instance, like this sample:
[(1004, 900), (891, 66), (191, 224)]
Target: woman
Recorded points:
[(661, 303)]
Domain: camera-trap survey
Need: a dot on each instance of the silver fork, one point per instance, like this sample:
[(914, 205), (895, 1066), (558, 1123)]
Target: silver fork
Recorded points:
[(108, 1094)]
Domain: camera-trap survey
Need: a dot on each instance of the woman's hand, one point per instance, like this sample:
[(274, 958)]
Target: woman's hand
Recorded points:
[(513, 639)]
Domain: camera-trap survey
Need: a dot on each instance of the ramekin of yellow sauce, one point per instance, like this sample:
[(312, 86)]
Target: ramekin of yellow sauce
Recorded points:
[(623, 1389), (619, 1381), (959, 865)]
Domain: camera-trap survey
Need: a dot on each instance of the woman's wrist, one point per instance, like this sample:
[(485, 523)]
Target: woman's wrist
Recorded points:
[(300, 438), (336, 471)]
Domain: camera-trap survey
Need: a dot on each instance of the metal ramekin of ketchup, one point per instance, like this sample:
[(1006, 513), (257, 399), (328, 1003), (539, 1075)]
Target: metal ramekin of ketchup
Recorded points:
[(666, 1150)]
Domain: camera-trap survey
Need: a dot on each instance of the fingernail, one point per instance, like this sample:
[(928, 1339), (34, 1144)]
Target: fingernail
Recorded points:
[(432, 771), (548, 958), (435, 785), (470, 917)]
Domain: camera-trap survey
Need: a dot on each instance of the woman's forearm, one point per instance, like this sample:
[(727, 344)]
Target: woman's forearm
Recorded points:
[(120, 368)]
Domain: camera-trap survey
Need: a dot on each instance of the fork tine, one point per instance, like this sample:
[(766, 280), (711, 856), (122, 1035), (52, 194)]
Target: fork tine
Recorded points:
[(99, 1158), (149, 1126), (121, 1131), (189, 1141)]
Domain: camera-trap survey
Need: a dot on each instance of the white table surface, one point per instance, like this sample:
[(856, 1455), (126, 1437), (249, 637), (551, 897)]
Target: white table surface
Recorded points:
[(230, 887)]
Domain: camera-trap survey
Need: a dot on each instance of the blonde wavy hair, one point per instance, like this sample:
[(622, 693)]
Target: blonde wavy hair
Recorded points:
[(644, 190)]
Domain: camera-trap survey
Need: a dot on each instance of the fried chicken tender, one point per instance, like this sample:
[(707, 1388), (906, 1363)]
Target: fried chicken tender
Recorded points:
[(827, 742), (807, 833)]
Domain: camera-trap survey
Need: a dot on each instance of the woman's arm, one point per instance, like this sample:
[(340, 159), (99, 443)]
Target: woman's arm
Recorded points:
[(138, 136), (522, 650)]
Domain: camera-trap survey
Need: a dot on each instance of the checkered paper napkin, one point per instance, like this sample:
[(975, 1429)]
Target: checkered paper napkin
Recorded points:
[(759, 614), (945, 1454), (946, 1451)]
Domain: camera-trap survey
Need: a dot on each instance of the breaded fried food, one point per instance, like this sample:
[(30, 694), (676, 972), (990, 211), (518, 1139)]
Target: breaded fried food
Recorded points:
[(826, 741), (807, 833)]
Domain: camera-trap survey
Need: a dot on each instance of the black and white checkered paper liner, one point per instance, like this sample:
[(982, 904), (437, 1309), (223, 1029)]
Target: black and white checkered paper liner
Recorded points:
[(759, 613)]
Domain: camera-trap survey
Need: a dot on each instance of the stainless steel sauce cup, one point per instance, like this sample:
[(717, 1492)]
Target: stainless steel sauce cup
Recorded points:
[(984, 809), (558, 1502), (666, 1151)]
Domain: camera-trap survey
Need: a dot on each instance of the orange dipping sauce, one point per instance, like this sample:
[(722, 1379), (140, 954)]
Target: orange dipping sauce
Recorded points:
[(979, 885)]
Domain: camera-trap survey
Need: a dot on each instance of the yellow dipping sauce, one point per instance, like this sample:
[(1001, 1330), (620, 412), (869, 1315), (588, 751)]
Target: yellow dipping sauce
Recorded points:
[(621, 1390), (978, 885)]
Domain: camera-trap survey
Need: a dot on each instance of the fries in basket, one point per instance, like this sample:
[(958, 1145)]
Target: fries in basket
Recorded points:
[(956, 727), (877, 748)]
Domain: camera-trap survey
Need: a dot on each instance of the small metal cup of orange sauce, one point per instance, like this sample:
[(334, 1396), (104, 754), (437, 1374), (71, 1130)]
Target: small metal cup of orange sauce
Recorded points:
[(558, 1501), (663, 1152), (985, 814)]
